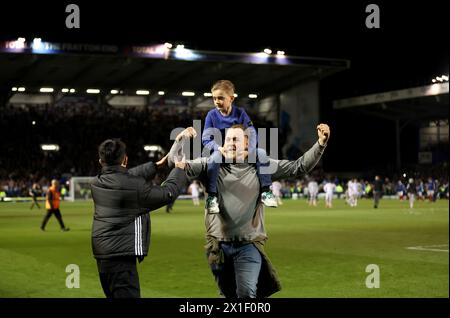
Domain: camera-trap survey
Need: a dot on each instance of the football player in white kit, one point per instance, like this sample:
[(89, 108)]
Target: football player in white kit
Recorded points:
[(194, 190), (412, 192), (349, 192), (356, 189), (329, 188), (352, 193), (276, 190), (313, 189)]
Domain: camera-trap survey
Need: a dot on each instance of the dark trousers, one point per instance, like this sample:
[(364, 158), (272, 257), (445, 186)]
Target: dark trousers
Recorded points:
[(35, 202), (376, 198), (119, 279), (58, 216), (169, 207)]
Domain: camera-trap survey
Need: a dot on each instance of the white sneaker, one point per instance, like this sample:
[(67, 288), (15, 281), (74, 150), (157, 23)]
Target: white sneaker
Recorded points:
[(269, 199), (212, 205)]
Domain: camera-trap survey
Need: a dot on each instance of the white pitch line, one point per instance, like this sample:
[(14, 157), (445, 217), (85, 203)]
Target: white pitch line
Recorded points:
[(429, 248)]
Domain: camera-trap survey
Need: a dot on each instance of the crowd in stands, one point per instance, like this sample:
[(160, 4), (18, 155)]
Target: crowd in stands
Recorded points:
[(78, 128), (437, 187)]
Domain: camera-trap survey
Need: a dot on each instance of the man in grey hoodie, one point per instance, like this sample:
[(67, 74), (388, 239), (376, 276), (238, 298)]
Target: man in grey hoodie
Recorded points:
[(236, 236)]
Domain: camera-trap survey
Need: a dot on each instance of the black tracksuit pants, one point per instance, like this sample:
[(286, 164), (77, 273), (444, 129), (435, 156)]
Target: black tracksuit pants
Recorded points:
[(119, 277)]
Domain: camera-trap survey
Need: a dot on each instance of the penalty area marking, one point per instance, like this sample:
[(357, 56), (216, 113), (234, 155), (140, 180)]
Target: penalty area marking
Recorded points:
[(432, 248)]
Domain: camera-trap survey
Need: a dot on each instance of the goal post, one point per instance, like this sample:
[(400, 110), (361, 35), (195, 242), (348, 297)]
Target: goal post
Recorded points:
[(80, 188)]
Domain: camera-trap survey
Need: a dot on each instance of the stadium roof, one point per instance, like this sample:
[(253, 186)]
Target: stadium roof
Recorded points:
[(154, 68), (428, 102)]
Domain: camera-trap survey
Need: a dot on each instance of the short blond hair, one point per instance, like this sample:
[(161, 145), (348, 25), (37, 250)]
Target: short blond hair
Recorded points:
[(224, 85)]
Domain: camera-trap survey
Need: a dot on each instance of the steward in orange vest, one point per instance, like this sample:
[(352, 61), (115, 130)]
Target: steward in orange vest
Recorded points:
[(52, 206)]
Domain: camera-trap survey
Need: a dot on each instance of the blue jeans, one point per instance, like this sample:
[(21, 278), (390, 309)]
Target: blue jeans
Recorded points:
[(212, 171), (238, 275)]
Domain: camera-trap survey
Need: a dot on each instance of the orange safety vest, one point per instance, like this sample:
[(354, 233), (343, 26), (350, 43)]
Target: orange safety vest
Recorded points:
[(55, 199)]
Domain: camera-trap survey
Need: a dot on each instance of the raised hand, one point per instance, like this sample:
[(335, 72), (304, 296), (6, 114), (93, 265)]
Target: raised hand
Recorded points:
[(162, 161), (323, 131), (187, 133)]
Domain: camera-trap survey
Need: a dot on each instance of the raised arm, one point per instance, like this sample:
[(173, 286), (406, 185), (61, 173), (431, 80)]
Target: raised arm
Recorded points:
[(307, 162), (194, 168), (154, 197), (299, 167)]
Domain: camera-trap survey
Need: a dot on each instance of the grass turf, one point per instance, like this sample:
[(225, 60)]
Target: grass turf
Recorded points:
[(317, 252)]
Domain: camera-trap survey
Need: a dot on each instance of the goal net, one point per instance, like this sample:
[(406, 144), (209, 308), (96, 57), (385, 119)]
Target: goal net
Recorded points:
[(80, 188)]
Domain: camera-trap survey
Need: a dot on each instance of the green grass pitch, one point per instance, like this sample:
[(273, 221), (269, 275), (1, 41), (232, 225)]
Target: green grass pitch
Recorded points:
[(317, 252)]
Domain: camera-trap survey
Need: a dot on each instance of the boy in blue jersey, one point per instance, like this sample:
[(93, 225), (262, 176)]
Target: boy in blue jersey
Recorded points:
[(217, 120)]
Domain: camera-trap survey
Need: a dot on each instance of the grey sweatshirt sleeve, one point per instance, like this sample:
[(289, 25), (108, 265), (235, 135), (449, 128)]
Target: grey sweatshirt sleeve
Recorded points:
[(194, 168), (299, 167), (176, 151)]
